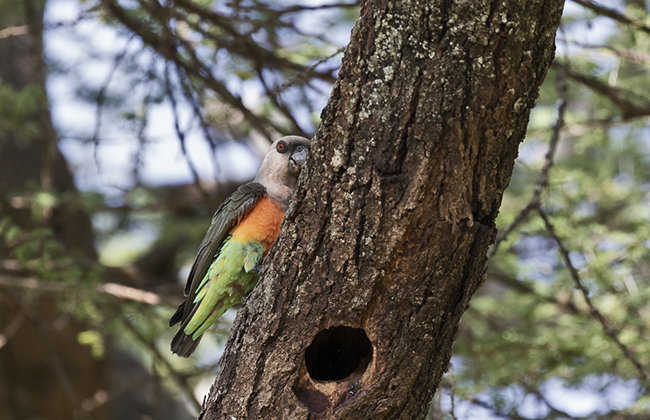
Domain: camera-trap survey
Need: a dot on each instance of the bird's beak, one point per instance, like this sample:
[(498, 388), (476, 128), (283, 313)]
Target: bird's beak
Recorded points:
[(298, 158)]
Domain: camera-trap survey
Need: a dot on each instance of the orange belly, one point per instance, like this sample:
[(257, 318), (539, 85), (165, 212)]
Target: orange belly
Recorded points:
[(261, 224)]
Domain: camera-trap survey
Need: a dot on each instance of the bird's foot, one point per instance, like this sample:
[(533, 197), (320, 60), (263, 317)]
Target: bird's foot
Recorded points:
[(256, 269), (245, 296)]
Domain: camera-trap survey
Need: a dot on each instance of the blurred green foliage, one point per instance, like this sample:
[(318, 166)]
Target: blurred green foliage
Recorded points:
[(17, 109), (529, 328), (528, 332)]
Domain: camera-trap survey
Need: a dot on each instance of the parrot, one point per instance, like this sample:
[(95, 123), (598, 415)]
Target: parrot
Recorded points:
[(242, 230)]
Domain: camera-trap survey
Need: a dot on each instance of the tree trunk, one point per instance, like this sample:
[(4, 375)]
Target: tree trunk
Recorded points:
[(359, 305)]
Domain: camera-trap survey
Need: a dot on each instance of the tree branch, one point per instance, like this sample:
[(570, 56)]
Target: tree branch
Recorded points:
[(296, 8), (628, 108), (643, 373), (242, 44), (613, 14), (180, 134), (192, 66), (114, 289), (180, 380)]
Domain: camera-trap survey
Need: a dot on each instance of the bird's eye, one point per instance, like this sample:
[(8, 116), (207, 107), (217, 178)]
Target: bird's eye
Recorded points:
[(281, 147)]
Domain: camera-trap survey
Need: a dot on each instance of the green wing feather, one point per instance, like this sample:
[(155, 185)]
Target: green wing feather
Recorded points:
[(224, 219), (225, 283)]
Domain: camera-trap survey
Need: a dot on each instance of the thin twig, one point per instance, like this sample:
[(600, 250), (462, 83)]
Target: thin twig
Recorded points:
[(294, 9), (274, 96), (618, 96), (303, 74), (138, 158), (613, 14), (542, 398), (522, 287), (180, 134), (580, 128), (633, 55), (189, 93), (114, 289), (181, 381), (585, 293), (192, 65), (495, 411), (101, 97), (245, 46), (451, 391)]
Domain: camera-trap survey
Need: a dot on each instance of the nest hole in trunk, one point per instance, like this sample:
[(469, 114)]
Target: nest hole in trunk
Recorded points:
[(338, 352)]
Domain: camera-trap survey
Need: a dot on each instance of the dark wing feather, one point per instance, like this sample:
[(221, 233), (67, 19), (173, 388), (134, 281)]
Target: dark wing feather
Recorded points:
[(224, 219)]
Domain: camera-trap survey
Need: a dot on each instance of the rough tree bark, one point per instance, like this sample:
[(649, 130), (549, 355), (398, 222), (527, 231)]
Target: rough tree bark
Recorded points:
[(389, 230)]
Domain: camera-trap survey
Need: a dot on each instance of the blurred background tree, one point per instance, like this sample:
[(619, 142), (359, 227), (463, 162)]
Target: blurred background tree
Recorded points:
[(124, 124)]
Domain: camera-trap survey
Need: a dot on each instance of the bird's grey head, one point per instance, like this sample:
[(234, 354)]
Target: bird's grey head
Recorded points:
[(281, 167)]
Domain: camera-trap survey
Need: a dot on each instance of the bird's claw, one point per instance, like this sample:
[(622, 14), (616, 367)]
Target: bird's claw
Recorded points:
[(256, 269), (245, 296)]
